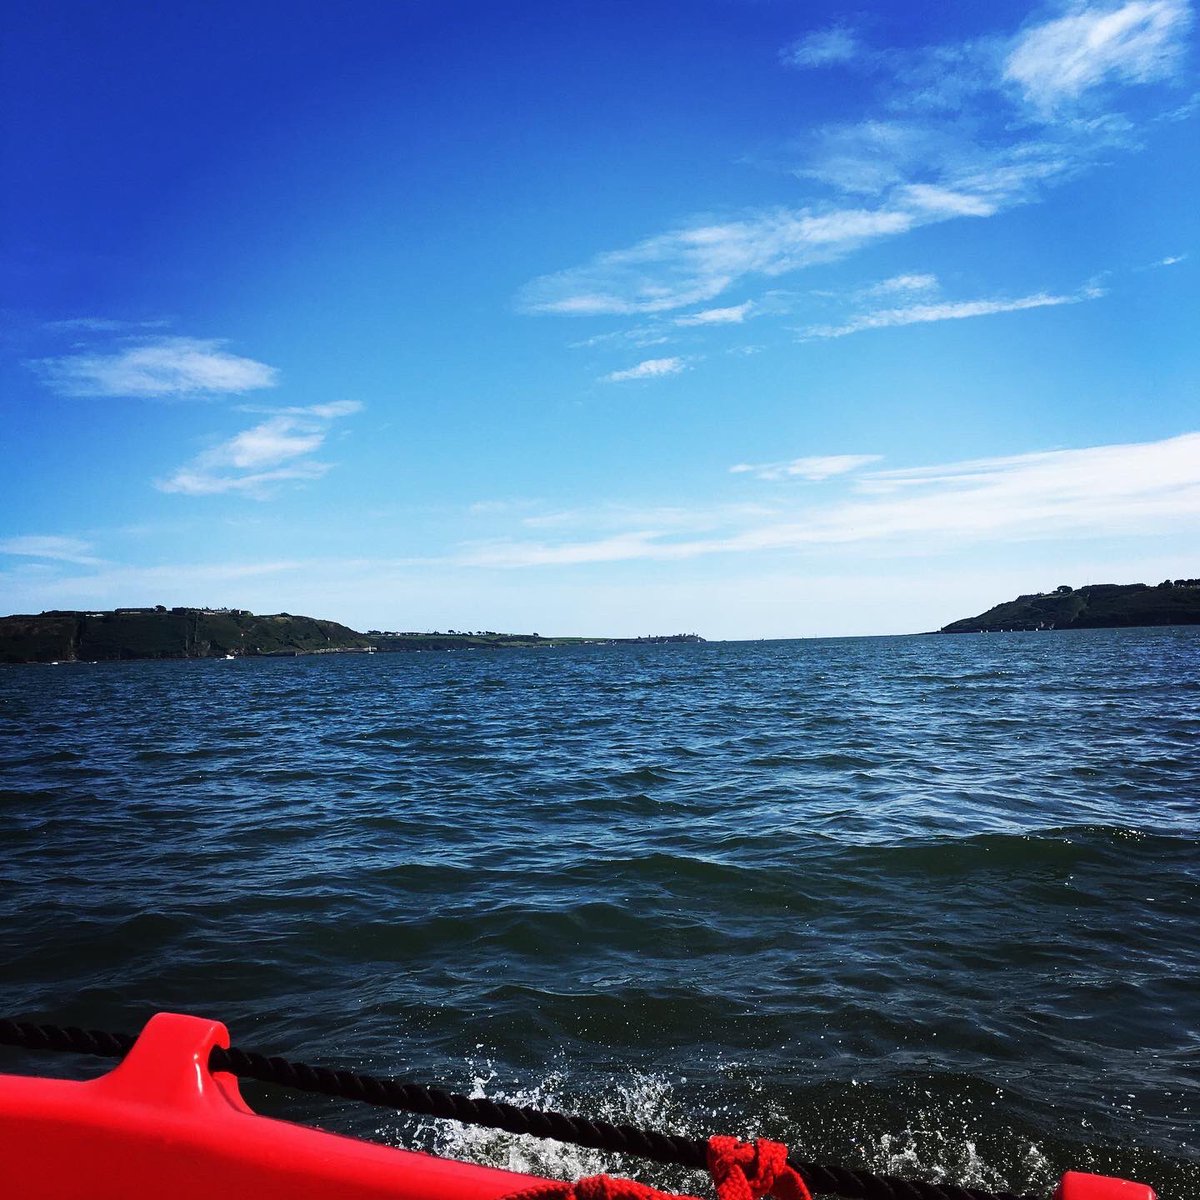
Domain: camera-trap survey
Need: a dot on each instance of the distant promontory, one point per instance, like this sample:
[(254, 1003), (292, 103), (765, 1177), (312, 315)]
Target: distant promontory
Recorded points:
[(161, 632), (1095, 606)]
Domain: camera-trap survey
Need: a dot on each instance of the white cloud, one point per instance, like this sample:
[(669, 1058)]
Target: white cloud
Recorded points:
[(939, 169), (921, 175), (917, 314), (612, 517), (268, 444), (619, 548), (652, 368), (825, 48), (867, 157), (58, 549), (1096, 490), (734, 315), (950, 139), (988, 181), (116, 584), (257, 460), (1181, 112), (1140, 489), (1170, 260), (203, 480), (326, 412), (697, 263), (499, 508), (900, 284), (157, 367), (105, 324), (1136, 42), (814, 469), (946, 79), (946, 202), (641, 337)]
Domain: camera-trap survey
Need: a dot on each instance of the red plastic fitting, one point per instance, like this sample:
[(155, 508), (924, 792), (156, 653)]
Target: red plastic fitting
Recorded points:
[(1076, 1185), (162, 1125)]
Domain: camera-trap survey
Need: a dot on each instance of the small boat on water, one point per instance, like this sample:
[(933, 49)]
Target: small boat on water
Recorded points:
[(164, 1125)]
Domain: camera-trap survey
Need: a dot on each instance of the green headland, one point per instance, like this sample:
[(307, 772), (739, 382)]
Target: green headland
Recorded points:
[(161, 632), (1095, 606), (68, 636)]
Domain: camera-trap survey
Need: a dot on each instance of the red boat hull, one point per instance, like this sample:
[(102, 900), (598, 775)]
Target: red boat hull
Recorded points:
[(161, 1126)]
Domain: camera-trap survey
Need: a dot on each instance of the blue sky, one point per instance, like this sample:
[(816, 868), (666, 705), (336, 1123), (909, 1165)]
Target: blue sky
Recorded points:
[(749, 318)]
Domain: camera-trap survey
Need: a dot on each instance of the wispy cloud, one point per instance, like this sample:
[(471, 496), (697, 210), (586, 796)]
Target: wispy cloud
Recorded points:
[(824, 48), (1140, 488), (1170, 260), (113, 583), (813, 469), (948, 79), (614, 517), (919, 314), (58, 549), (256, 461), (105, 324), (652, 368), (640, 337), (946, 202), (500, 508), (329, 411), (1181, 112), (1136, 42), (160, 367), (733, 315), (867, 157), (966, 130), (697, 263), (947, 167), (624, 547), (900, 285)]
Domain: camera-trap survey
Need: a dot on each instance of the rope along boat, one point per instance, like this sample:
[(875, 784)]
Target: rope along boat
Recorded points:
[(169, 1122)]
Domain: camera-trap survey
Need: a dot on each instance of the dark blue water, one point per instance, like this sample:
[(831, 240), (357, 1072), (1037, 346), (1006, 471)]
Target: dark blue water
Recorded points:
[(918, 904)]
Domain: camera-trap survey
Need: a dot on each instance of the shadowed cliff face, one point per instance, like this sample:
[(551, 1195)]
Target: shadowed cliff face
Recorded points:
[(176, 633), (1099, 605), (47, 638)]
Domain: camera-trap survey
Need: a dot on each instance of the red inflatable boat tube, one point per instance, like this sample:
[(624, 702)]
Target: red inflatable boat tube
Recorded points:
[(162, 1126)]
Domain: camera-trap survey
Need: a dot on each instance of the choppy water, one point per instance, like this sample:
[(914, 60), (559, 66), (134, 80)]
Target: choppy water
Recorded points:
[(917, 904)]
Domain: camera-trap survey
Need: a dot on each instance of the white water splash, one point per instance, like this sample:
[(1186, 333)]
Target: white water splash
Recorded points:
[(950, 1156), (940, 1146)]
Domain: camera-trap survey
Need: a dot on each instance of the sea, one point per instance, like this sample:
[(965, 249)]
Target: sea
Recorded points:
[(920, 905)]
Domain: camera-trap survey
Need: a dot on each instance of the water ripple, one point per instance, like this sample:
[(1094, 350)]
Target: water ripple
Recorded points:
[(924, 904)]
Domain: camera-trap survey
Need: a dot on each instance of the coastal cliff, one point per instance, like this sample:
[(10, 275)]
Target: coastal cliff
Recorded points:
[(70, 636), (1095, 606)]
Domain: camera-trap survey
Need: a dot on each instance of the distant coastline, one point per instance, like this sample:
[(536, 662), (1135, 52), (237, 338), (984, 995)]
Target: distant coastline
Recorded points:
[(157, 632), (1094, 606)]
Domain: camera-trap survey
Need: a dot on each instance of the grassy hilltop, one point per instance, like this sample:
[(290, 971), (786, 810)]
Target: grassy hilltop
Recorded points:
[(167, 633), (1096, 606)]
